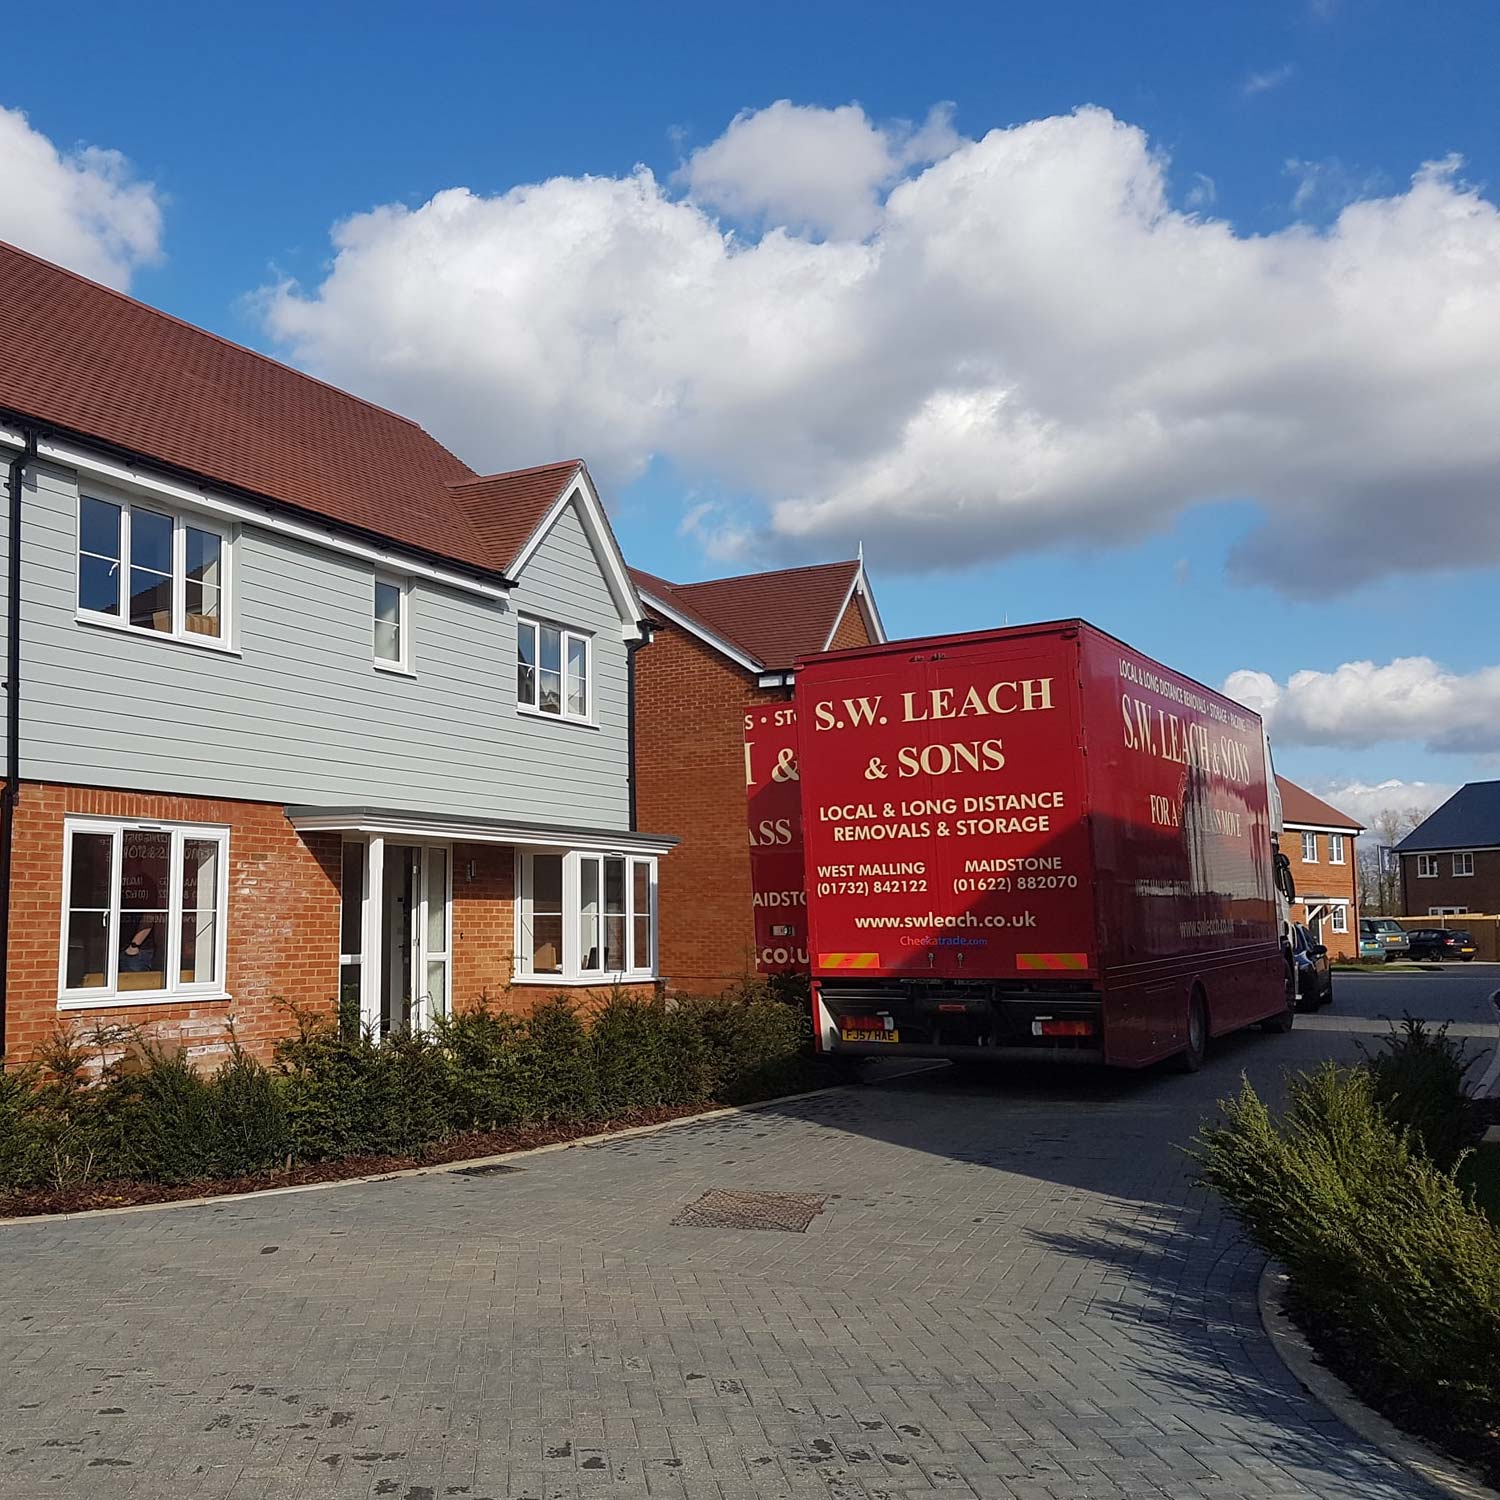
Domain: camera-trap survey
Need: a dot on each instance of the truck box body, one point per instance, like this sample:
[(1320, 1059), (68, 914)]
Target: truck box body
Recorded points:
[(1032, 838)]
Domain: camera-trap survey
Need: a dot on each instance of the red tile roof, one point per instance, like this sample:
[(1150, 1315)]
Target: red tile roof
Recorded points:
[(1300, 806), (771, 617), (79, 356), (504, 509)]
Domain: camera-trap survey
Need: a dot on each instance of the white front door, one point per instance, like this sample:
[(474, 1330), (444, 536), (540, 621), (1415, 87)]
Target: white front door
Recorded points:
[(416, 922)]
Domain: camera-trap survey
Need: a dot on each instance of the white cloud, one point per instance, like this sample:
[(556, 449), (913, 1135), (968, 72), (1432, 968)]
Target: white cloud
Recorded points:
[(83, 208), (1360, 703), (1264, 82), (816, 169), (1032, 348), (1365, 801)]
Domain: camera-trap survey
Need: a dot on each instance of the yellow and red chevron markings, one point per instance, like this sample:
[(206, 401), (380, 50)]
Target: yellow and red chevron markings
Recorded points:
[(1052, 960)]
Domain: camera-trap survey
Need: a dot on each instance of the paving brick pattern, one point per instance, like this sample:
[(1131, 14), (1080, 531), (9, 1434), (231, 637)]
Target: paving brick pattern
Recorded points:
[(1013, 1290)]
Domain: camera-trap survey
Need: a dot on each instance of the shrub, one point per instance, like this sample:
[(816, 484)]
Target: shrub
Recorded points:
[(1419, 1084), (111, 1104), (1381, 1244)]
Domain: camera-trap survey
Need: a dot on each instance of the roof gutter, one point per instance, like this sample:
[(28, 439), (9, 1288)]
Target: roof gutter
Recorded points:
[(10, 794)]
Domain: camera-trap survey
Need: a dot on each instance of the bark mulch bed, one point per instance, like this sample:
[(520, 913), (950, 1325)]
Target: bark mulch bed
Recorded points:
[(127, 1192)]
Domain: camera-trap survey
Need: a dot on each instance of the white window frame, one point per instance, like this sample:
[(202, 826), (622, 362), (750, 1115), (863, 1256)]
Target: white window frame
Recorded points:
[(1463, 863), (568, 633), (573, 972), (110, 994), (1338, 919), (1335, 848), (181, 519), (1447, 911), (1309, 841), (1427, 867), (401, 666)]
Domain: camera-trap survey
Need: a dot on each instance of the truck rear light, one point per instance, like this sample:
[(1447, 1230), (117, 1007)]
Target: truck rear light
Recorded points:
[(1062, 1028), (864, 1023), (959, 1010)]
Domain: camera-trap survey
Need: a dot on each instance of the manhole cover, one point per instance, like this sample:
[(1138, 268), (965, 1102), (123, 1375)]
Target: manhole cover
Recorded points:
[(486, 1169), (723, 1208)]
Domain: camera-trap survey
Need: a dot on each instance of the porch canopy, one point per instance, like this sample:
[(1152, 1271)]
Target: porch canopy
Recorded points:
[(396, 930), (392, 823)]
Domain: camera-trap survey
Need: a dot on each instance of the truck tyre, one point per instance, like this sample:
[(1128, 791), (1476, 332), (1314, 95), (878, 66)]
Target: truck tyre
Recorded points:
[(1190, 1059), (1285, 1018)]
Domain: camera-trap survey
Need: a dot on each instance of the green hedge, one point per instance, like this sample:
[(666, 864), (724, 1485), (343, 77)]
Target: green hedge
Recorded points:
[(82, 1112), (1393, 1268)]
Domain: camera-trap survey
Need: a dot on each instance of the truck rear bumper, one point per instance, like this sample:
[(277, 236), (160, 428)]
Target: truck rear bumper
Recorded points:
[(1063, 1020)]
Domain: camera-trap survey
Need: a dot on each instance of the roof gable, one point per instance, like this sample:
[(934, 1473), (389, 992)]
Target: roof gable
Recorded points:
[(1469, 819), (765, 620), (1298, 805)]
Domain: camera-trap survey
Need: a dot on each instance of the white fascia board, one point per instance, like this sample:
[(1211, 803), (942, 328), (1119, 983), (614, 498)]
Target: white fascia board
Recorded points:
[(859, 587), (1350, 829), (414, 826), (738, 657), (581, 487), (144, 482)]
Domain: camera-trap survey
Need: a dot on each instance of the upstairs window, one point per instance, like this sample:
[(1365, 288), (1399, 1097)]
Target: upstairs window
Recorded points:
[(145, 569), (1309, 848), (1427, 866), (390, 625), (552, 670), (1335, 848), (1463, 864)]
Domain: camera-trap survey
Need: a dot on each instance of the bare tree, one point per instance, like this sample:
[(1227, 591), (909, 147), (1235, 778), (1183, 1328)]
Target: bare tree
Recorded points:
[(1379, 865)]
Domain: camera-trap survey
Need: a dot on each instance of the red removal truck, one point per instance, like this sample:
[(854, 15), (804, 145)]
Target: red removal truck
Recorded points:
[(1035, 841)]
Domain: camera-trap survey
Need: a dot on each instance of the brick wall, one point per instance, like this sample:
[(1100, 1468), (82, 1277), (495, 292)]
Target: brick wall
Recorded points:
[(690, 781), (283, 921), (1324, 879), (1480, 892)]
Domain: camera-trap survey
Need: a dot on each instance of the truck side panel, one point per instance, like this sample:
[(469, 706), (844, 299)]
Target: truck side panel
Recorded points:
[(1181, 851)]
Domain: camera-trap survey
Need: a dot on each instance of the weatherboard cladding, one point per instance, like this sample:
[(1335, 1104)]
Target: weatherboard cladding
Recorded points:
[(77, 356), (1469, 819), (301, 715)]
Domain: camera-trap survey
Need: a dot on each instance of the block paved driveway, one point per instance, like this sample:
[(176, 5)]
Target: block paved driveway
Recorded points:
[(1012, 1291)]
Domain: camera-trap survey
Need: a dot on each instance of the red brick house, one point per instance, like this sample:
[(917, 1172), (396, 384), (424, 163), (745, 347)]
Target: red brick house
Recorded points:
[(1319, 842), (720, 650), (1450, 863), (299, 708)]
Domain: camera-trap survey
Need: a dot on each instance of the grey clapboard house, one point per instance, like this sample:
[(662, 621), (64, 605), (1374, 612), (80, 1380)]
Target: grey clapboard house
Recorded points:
[(305, 709)]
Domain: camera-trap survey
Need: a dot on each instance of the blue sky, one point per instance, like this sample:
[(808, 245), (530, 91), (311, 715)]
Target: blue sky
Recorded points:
[(260, 128)]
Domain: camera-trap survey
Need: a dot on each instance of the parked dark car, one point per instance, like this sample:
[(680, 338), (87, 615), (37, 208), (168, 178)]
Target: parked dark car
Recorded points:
[(1314, 973), (1441, 942)]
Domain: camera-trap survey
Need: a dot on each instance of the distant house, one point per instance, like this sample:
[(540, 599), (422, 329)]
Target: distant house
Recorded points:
[(1450, 862), (1319, 842), (719, 651)]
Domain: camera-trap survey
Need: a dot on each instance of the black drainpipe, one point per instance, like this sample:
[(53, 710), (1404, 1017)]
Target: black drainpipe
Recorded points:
[(631, 647), (10, 794)]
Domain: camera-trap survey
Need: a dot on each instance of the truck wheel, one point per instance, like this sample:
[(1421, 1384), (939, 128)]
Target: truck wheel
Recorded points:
[(1284, 1019), (1190, 1059)]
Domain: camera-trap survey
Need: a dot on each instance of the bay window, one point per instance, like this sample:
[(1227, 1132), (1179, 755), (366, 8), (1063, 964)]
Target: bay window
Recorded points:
[(144, 912), (552, 670), (586, 917), (145, 569)]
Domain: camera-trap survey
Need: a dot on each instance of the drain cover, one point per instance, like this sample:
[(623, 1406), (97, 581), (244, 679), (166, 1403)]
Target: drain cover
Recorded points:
[(486, 1169), (724, 1208)]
